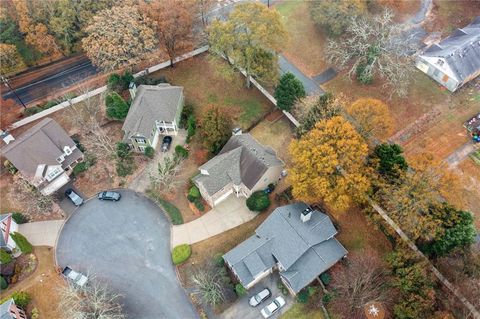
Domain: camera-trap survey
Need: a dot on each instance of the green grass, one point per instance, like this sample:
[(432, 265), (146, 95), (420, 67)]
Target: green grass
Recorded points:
[(172, 211), (287, 7), (22, 243), (298, 312), (475, 156), (252, 109)]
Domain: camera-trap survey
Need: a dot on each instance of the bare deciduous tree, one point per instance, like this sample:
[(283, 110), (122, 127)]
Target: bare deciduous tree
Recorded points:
[(94, 301), (163, 180), (30, 197), (375, 46), (209, 286), (87, 116), (362, 281)]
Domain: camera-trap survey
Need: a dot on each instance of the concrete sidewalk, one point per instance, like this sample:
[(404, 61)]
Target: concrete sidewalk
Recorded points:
[(41, 233), (461, 153), (229, 214)]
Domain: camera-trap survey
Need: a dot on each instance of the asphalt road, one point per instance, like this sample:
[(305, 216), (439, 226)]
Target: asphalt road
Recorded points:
[(38, 84), (127, 244)]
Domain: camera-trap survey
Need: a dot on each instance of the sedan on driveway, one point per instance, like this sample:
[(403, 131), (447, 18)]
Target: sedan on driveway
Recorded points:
[(260, 297), (74, 197), (272, 308), (109, 195)]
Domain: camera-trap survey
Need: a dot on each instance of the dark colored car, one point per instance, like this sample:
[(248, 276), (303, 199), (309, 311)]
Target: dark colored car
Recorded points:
[(166, 142), (74, 197), (109, 195)]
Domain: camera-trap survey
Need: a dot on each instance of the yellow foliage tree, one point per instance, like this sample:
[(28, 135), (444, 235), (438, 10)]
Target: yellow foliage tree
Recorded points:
[(328, 164), (10, 60), (372, 118)]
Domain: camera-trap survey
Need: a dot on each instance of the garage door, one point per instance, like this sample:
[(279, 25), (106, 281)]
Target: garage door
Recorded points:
[(224, 196)]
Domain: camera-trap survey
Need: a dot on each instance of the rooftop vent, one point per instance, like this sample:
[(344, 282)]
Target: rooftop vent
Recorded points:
[(306, 214), (237, 131)]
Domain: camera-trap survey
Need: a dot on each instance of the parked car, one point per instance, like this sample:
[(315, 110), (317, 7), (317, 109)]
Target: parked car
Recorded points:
[(166, 142), (273, 307), (260, 297), (109, 195), (74, 197), (76, 277)]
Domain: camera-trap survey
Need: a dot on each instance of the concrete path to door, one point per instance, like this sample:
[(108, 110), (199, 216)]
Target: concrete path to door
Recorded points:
[(230, 213), (461, 153), (41, 233)]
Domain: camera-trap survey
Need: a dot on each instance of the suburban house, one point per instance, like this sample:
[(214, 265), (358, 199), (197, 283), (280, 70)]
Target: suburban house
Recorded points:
[(455, 60), (9, 310), (296, 240), (242, 167), (44, 155), (8, 226), (155, 110)]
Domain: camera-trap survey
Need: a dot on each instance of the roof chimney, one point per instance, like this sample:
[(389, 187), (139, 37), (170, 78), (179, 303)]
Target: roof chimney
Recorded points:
[(237, 131), (306, 214), (6, 137), (132, 88)]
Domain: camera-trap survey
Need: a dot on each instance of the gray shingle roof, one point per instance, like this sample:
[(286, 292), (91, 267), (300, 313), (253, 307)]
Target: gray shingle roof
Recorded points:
[(41, 144), (242, 160), (461, 50), (305, 250), (152, 103), (5, 309)]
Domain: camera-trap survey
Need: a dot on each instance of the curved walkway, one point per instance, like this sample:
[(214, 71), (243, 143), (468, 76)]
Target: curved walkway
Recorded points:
[(230, 213)]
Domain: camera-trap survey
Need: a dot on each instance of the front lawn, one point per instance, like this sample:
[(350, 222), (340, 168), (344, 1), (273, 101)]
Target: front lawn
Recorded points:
[(209, 81), (299, 311)]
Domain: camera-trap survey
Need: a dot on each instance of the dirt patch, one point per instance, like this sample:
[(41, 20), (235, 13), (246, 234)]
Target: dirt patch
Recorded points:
[(469, 174), (446, 16), (42, 285)]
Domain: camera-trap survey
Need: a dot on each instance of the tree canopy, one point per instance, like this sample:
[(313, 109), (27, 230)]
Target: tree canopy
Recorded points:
[(390, 159), (372, 118), (288, 90), (117, 108), (334, 15), (328, 164), (10, 60), (117, 37), (216, 129), (250, 37)]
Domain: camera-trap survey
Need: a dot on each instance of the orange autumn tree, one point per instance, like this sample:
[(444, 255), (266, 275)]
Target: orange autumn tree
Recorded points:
[(328, 164), (372, 118)]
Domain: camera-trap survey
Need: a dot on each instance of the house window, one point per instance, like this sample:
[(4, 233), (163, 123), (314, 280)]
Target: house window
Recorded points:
[(67, 150), (60, 159), (142, 149), (54, 173), (140, 141)]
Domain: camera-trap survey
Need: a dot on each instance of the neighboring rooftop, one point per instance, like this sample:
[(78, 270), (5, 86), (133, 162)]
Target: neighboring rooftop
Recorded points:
[(40, 145), (152, 103), (242, 160), (461, 50), (304, 249)]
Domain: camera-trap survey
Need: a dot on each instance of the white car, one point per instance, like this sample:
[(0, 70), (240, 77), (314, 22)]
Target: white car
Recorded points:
[(272, 308), (76, 277), (260, 297)]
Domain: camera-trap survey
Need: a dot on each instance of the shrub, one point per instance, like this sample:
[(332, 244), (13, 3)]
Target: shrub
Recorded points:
[(79, 168), (123, 150), (3, 283), (218, 260), (194, 193), (10, 168), (187, 112), (79, 145), (119, 83), (35, 314), (258, 202), (181, 152), (191, 127), (282, 288), (198, 203), (21, 298), (116, 106), (32, 110), (240, 290), (149, 152), (327, 298), (303, 296), (325, 278), (22, 243), (19, 218), (5, 257), (362, 76), (181, 253), (289, 90), (125, 167)]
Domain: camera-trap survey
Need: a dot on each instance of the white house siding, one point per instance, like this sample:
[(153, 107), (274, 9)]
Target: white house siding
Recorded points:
[(13, 228), (8, 226), (222, 195), (440, 73)]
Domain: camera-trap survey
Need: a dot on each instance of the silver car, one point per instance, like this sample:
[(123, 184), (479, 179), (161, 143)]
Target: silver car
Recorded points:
[(272, 308), (260, 297), (74, 197)]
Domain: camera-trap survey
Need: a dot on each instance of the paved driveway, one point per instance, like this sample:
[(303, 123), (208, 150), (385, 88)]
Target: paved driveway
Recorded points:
[(230, 213), (242, 310), (127, 243)]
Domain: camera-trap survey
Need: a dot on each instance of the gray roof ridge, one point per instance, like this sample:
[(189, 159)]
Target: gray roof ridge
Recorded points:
[(29, 133), (299, 235), (267, 240)]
